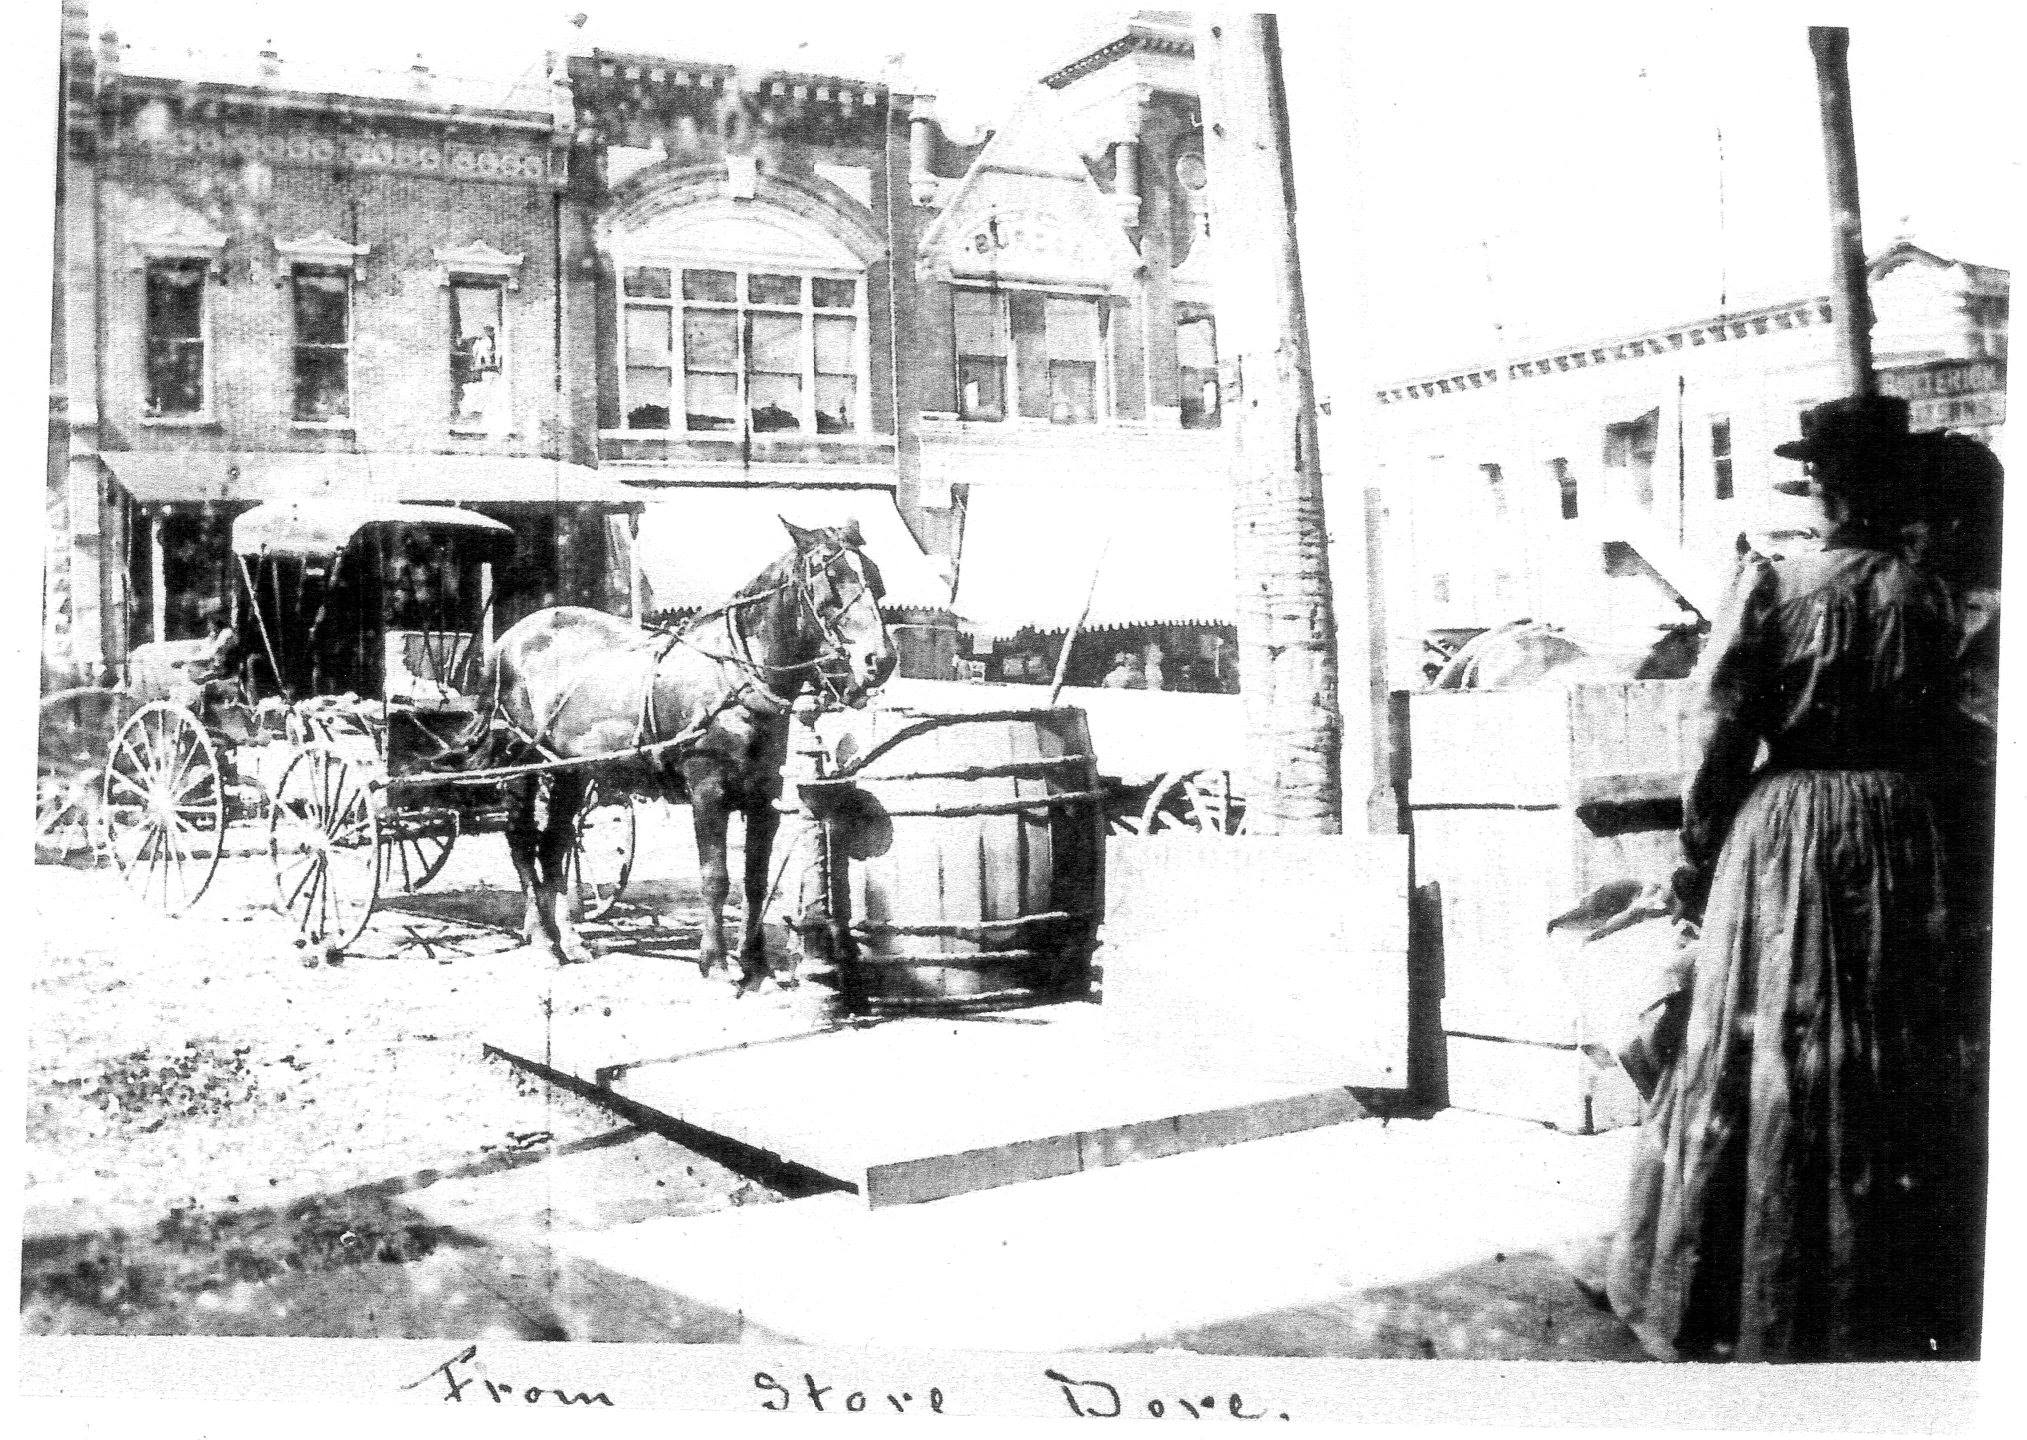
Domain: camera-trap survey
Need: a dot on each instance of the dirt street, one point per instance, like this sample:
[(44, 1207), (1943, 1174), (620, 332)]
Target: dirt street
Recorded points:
[(219, 1137), (225, 1140)]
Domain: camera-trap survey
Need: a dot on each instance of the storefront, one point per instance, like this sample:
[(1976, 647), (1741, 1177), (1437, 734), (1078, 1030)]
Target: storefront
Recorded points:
[(1161, 608), (171, 516)]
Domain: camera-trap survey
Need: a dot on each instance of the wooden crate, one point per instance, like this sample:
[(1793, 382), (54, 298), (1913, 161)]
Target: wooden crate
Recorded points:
[(1523, 802)]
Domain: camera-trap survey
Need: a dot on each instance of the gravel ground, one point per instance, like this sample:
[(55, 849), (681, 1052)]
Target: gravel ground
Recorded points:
[(220, 1137)]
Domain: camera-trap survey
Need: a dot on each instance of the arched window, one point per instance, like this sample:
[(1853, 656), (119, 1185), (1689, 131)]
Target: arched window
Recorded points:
[(740, 317)]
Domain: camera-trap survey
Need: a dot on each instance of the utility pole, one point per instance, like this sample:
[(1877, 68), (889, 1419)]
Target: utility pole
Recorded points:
[(1286, 619), (1851, 307)]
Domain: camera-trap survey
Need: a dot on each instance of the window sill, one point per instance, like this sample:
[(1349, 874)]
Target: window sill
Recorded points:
[(181, 422), (477, 432), (336, 427), (760, 438)]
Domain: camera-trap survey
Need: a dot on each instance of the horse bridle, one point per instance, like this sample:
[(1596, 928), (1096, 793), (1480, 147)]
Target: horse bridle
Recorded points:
[(810, 566)]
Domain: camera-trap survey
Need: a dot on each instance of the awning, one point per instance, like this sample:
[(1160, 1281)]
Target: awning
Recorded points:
[(699, 543), (167, 477), (324, 527), (1029, 552)]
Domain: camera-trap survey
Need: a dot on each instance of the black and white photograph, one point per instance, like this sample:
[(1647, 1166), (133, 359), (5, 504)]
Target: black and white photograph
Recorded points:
[(1052, 712)]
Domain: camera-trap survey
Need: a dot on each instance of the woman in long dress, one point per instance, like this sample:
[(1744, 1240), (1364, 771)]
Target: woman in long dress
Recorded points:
[(1789, 1189)]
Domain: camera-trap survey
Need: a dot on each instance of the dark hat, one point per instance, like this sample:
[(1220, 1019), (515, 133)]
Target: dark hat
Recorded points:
[(1853, 425)]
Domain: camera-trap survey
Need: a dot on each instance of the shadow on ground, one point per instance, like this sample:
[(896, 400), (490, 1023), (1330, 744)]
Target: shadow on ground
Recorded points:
[(371, 1262)]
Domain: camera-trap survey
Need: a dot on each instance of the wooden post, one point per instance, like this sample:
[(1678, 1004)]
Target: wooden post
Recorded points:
[(1851, 308), (1286, 619), (158, 583)]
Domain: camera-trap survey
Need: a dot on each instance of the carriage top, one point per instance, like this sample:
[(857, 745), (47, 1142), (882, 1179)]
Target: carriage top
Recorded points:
[(305, 528)]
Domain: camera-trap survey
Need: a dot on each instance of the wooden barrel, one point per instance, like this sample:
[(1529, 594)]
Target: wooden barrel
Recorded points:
[(925, 642), (972, 858)]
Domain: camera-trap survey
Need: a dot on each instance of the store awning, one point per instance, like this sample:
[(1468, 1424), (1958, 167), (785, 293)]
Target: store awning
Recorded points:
[(169, 477), (1029, 551), (699, 543), (324, 527)]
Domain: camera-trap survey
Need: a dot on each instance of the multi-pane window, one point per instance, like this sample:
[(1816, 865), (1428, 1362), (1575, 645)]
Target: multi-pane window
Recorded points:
[(770, 350), (1196, 356), (1565, 484), (175, 337), (478, 356), (1720, 456), (980, 320), (323, 342), (1053, 342)]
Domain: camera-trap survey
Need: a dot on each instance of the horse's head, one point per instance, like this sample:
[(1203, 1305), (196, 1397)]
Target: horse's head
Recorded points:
[(841, 590)]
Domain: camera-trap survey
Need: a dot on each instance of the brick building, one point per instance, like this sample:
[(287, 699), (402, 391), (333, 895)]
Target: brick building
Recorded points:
[(708, 295), (276, 281)]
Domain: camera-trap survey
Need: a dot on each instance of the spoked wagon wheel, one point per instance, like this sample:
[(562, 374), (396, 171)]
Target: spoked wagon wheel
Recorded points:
[(74, 736), (416, 847), (1200, 800), (324, 839), (164, 806), (601, 856)]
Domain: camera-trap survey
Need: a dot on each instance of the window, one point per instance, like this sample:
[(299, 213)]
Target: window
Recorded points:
[(175, 337), (1196, 356), (1054, 343), (980, 321), (1565, 483), (774, 351), (1720, 456), (1629, 451), (478, 357), (323, 343), (1495, 489)]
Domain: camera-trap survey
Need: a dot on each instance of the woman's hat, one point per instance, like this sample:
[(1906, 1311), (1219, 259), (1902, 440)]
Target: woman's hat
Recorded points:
[(1869, 425)]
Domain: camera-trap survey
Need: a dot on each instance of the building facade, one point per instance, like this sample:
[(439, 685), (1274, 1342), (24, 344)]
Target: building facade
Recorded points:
[(639, 307), (1605, 485), (278, 282)]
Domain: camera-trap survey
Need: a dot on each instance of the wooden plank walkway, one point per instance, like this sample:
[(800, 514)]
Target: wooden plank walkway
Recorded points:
[(918, 1109)]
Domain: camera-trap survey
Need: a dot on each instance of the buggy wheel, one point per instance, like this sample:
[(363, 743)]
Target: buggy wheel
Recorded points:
[(1199, 800), (74, 735), (415, 847), (164, 806), (324, 840), (601, 853)]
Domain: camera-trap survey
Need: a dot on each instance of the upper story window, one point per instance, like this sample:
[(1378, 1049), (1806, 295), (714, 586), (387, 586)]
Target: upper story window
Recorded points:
[(1720, 456), (1629, 451), (1196, 358), (1495, 489), (1565, 484), (177, 323), (322, 356), (765, 350), (1022, 352), (478, 356)]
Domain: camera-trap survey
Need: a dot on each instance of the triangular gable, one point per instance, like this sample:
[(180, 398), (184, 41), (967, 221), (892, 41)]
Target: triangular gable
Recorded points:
[(1028, 210)]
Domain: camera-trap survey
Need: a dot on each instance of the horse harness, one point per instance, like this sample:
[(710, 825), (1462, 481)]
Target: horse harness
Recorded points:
[(755, 693)]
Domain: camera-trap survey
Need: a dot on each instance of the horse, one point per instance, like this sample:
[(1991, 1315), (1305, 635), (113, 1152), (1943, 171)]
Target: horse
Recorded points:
[(700, 712), (1526, 653)]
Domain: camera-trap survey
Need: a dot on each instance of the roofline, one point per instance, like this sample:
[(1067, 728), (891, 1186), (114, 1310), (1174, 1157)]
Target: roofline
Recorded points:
[(260, 97), (1138, 37), (645, 59)]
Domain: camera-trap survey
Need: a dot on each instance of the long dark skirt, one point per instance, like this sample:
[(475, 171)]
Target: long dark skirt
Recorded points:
[(1797, 1189)]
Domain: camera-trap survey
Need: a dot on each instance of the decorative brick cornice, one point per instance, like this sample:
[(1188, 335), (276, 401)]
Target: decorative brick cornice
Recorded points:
[(1716, 330), (1138, 40)]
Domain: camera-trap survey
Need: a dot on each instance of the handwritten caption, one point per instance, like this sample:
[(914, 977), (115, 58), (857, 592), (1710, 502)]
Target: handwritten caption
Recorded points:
[(1102, 1400), (463, 1380), (456, 1384)]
